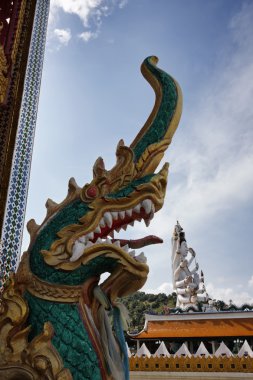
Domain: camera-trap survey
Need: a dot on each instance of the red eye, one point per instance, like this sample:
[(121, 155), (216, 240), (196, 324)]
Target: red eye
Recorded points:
[(92, 192)]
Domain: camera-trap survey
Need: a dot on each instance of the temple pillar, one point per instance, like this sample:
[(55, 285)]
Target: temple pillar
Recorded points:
[(22, 46)]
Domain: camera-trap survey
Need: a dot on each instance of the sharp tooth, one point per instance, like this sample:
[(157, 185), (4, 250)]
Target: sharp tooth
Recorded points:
[(147, 205), (115, 215), (118, 229), (152, 212), (117, 243), (124, 227), (147, 222), (141, 257), (122, 214), (126, 247), (108, 241), (90, 236), (137, 208), (82, 239), (129, 212), (102, 222), (132, 223), (89, 244), (97, 230), (99, 241), (108, 219), (77, 251), (132, 253)]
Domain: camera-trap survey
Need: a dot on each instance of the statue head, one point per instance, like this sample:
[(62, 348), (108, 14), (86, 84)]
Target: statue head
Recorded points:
[(183, 249)]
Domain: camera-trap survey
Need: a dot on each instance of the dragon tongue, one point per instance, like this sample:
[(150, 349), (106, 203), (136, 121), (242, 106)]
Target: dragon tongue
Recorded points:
[(139, 243)]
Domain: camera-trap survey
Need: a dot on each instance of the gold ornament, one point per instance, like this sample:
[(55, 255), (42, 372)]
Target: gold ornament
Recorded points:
[(20, 359)]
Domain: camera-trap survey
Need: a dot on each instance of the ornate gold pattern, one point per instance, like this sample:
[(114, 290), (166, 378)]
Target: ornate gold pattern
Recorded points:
[(109, 181), (41, 289), (60, 251), (16, 50), (4, 81), (71, 294), (115, 190), (18, 31), (192, 364), (19, 358)]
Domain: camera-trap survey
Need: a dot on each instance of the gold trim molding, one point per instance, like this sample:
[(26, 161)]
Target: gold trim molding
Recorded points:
[(41, 289), (4, 81), (192, 364)]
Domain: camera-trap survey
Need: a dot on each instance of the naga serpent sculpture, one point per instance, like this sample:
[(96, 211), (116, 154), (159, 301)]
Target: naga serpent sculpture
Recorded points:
[(56, 320)]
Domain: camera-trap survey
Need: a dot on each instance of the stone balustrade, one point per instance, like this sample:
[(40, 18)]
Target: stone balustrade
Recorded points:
[(192, 364)]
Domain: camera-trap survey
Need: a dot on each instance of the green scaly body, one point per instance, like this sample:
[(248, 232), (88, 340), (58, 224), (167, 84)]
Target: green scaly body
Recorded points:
[(71, 338)]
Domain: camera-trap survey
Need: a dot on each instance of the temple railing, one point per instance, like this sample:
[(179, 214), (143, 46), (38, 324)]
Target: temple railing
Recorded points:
[(191, 364)]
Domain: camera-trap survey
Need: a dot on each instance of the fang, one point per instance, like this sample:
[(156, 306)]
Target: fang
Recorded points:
[(108, 219), (147, 222), (147, 205)]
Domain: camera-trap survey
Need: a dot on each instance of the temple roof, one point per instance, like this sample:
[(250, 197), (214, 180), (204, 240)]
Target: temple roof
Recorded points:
[(197, 325)]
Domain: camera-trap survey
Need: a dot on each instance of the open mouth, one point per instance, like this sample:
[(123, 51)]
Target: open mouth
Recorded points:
[(115, 221)]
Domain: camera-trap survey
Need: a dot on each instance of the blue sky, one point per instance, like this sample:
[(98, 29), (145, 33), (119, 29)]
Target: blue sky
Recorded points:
[(93, 95)]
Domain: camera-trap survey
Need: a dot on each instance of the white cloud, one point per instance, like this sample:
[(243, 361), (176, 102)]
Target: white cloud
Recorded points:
[(123, 3), (165, 287), (214, 163), (90, 12), (250, 283), (242, 27), (87, 36), (63, 35), (227, 294), (224, 294), (82, 8), (213, 167)]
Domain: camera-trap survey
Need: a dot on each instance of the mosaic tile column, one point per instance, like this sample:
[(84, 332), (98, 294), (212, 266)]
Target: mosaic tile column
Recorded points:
[(13, 225)]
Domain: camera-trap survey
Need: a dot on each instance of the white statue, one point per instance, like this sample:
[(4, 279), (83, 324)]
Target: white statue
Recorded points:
[(211, 308), (187, 282)]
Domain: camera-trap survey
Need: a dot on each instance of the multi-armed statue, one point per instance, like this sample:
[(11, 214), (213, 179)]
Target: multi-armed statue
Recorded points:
[(57, 321), (187, 282)]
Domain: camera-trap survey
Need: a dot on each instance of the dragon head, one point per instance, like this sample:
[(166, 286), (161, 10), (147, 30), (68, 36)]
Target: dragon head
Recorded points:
[(75, 242)]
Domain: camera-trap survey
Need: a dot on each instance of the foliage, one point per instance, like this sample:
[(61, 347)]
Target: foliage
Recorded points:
[(140, 303)]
